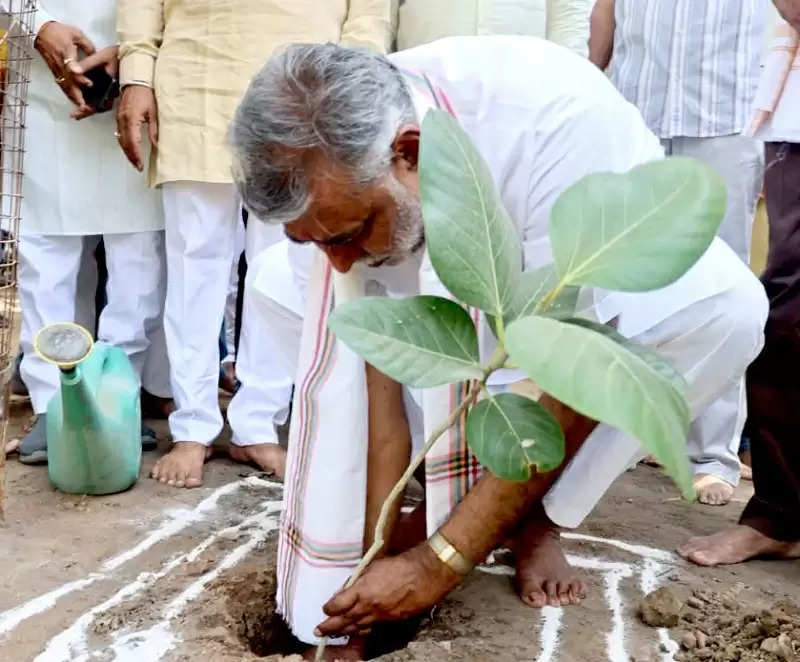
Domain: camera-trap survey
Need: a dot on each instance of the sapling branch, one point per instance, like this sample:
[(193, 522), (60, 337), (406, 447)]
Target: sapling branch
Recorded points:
[(496, 362)]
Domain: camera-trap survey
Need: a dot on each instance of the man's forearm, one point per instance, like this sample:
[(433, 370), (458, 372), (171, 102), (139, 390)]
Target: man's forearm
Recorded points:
[(140, 29), (370, 24), (790, 10), (498, 506), (601, 33)]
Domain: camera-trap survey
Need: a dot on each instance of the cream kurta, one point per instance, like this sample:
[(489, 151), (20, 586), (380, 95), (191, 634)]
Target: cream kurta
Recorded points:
[(77, 181), (564, 22), (199, 56)]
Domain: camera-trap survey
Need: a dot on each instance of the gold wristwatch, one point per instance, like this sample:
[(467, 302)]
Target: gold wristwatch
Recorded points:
[(449, 555)]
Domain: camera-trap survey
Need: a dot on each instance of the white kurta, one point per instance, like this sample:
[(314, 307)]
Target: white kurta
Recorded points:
[(77, 180)]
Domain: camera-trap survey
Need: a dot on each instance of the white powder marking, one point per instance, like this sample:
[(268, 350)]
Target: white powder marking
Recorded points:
[(11, 618), (639, 550), (180, 519), (153, 643), (551, 626), (72, 644)]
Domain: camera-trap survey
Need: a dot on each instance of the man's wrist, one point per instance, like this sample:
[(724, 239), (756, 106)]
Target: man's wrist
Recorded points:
[(136, 69), (449, 555)]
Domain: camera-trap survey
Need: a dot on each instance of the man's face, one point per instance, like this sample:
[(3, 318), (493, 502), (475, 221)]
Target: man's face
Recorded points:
[(378, 225)]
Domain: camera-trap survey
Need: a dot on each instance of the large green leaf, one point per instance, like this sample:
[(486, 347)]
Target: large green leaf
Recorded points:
[(533, 287), (640, 230), (420, 341), (473, 244), (509, 433), (605, 380)]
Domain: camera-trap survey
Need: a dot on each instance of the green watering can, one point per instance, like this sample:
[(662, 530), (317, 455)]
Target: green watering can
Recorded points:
[(94, 426)]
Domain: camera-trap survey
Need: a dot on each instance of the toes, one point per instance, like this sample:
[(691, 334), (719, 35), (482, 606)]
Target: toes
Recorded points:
[(577, 592), (551, 589), (700, 558), (192, 482), (536, 598)]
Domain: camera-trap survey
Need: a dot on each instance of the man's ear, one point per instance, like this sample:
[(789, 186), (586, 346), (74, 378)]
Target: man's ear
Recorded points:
[(406, 146)]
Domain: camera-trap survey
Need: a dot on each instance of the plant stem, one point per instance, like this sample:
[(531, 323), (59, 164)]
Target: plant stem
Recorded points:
[(497, 361)]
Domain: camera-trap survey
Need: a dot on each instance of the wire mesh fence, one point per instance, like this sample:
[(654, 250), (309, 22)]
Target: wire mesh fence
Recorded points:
[(16, 53)]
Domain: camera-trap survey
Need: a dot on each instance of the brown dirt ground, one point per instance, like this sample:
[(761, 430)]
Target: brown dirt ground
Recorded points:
[(214, 604)]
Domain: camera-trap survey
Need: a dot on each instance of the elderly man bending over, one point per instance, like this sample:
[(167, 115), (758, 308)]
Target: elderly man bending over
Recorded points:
[(326, 141)]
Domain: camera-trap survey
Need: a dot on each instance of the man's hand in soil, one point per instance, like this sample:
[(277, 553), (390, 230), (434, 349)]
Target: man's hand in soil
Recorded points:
[(58, 45), (790, 10), (137, 106), (105, 58), (391, 589)]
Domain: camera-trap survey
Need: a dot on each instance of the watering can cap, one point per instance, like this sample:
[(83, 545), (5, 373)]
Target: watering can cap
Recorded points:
[(64, 343)]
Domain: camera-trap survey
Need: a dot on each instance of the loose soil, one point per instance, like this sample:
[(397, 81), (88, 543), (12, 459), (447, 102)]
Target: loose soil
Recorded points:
[(201, 588)]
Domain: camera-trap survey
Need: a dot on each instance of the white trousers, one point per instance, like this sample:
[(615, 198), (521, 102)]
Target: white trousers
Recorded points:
[(710, 342), (48, 288), (201, 221), (268, 344)]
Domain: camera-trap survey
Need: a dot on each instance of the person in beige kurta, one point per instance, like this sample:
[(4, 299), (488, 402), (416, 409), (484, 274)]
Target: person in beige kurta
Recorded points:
[(184, 64), (564, 22)]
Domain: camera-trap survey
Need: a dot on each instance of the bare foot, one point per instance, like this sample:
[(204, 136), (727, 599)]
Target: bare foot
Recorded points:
[(353, 651), (268, 457), (745, 471), (737, 544), (183, 465), (543, 575), (712, 490), (12, 445)]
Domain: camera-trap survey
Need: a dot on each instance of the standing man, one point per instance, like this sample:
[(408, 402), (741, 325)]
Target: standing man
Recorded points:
[(76, 186), (770, 524), (184, 64), (564, 22), (693, 77)]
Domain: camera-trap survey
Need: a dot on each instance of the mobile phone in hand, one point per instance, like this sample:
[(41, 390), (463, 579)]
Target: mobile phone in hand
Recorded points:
[(104, 90)]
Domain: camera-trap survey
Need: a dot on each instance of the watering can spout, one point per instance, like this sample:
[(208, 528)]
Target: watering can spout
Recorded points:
[(94, 423)]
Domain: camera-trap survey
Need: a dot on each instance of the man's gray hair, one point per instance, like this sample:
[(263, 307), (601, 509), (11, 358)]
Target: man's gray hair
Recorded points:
[(309, 101)]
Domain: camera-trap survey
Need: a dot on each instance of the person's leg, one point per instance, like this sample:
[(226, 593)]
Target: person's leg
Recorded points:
[(136, 284), (770, 524), (269, 345), (200, 230), (48, 274), (716, 435), (716, 464), (86, 299)]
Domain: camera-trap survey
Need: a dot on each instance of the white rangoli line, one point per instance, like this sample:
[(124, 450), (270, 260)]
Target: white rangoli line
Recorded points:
[(551, 626), (153, 643), (180, 519), (72, 643), (639, 550)]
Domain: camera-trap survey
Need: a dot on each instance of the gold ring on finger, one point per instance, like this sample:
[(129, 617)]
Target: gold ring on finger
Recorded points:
[(60, 80), (68, 60), (364, 632), (117, 134)]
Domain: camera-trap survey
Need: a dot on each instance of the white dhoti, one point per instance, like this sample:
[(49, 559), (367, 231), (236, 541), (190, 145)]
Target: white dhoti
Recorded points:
[(711, 342), (48, 286)]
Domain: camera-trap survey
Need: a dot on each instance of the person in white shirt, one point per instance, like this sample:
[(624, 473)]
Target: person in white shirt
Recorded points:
[(77, 186), (542, 117)]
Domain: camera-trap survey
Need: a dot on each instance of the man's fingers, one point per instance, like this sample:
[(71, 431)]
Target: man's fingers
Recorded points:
[(131, 140), (84, 43), (341, 602), (82, 113), (334, 626), (75, 94)]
